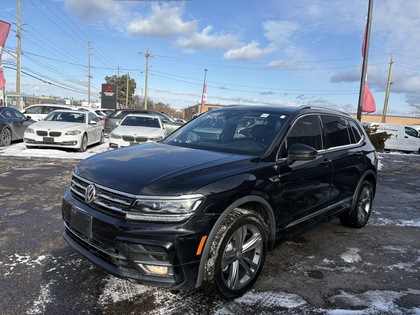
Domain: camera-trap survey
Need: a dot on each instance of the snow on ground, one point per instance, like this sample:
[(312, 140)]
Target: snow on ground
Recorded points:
[(19, 149), (115, 290)]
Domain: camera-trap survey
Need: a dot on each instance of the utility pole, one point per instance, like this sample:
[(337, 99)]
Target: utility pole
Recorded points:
[(126, 94), (365, 61), (388, 88), (18, 56), (89, 73), (147, 55)]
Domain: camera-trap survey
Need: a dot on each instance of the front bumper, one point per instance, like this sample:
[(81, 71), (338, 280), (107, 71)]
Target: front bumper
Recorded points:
[(162, 255), (67, 143)]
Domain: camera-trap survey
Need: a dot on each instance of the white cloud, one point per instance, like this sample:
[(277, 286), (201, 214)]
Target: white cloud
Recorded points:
[(279, 32), (250, 51), (90, 10), (165, 21), (206, 40)]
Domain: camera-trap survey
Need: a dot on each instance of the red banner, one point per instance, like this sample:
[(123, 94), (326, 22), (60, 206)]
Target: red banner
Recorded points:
[(4, 32)]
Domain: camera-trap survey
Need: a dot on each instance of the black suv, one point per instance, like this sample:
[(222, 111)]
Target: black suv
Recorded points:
[(111, 121), (207, 203)]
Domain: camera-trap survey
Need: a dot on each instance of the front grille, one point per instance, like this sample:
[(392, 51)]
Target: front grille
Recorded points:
[(106, 200), (43, 133), (128, 138), (135, 139)]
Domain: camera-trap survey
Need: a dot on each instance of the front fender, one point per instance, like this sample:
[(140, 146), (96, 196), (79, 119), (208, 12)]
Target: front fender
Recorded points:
[(265, 209)]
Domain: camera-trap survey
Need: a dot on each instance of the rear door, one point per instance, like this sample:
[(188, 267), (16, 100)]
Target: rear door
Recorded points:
[(344, 150)]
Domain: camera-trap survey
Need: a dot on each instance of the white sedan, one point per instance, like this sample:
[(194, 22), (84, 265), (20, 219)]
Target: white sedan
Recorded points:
[(136, 129), (72, 129)]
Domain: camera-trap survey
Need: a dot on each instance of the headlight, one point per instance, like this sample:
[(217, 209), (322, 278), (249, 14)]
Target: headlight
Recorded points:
[(29, 130), (169, 209), (114, 136), (156, 138), (73, 132)]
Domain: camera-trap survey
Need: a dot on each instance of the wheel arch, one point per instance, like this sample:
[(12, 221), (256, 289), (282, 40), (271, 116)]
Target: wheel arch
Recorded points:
[(369, 176), (253, 203)]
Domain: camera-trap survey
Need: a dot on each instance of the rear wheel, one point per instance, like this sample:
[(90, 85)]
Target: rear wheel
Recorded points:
[(362, 207), (238, 253), (5, 137), (84, 144)]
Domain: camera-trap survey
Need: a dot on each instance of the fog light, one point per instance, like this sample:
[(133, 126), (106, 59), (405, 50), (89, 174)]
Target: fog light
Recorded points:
[(156, 270)]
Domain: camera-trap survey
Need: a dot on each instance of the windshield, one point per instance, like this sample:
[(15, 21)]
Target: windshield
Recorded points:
[(232, 131), (141, 121), (66, 117)]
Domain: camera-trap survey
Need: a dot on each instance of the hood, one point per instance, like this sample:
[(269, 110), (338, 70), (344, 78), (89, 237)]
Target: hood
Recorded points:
[(138, 131), (57, 125), (160, 169)]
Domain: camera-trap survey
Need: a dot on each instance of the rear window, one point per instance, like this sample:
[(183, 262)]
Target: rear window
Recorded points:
[(120, 114)]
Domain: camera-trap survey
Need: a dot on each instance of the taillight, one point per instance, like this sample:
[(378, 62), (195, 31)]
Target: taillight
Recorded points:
[(106, 119)]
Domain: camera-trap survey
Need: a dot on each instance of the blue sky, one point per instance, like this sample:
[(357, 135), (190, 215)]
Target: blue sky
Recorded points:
[(297, 52)]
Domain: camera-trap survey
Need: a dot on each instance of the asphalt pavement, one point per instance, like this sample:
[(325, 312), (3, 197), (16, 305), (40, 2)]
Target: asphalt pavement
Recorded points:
[(329, 270)]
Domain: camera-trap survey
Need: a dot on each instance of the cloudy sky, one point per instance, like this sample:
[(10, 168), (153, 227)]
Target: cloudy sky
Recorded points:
[(272, 52)]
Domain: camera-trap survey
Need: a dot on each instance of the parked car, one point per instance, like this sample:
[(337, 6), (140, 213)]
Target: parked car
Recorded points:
[(40, 111), (403, 138), (118, 114), (135, 129), (73, 129), (206, 203), (12, 125)]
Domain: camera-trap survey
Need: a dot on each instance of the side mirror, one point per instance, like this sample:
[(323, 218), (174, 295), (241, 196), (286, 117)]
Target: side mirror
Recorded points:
[(93, 122), (301, 152)]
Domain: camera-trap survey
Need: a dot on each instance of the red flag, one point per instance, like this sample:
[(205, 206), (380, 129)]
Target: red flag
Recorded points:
[(369, 105), (4, 32), (203, 101)]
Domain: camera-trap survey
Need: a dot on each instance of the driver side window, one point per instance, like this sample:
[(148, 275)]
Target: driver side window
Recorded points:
[(306, 130)]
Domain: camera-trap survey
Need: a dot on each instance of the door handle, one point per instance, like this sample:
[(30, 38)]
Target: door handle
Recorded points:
[(326, 162)]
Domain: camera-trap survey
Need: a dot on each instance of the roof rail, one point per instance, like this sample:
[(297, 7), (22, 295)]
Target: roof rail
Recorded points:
[(324, 108)]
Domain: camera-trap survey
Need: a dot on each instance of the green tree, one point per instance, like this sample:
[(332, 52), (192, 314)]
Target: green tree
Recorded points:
[(121, 83)]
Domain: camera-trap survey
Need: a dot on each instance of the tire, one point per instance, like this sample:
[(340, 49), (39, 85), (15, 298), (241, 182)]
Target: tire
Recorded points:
[(102, 137), (83, 145), (361, 208), (5, 137), (237, 253)]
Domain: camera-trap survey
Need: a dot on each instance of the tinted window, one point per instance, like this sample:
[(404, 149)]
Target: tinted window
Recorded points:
[(7, 113), (92, 116), (120, 114), (355, 132), (306, 130), (336, 131), (33, 110), (411, 132)]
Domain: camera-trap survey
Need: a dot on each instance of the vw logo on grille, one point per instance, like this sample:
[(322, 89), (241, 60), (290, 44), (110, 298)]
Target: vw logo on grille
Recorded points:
[(90, 193)]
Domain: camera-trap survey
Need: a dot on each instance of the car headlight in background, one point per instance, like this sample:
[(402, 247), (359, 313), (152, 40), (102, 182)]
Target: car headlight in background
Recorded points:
[(73, 132), (29, 130), (169, 209), (114, 136), (155, 138)]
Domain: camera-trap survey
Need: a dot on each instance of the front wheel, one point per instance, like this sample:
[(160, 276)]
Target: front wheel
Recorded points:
[(5, 137), (360, 211), (84, 143), (238, 253)]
